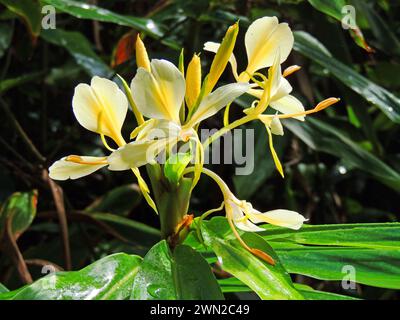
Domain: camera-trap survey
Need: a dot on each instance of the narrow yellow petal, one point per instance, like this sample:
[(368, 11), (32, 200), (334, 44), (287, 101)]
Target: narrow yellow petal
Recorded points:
[(142, 59), (277, 162), (193, 81)]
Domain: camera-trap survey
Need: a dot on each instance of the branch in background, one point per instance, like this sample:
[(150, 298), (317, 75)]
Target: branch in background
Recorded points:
[(43, 263), (25, 138), (16, 254), (96, 30), (58, 197)]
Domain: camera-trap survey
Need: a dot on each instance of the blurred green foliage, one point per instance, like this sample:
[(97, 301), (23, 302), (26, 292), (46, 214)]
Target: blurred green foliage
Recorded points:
[(341, 166)]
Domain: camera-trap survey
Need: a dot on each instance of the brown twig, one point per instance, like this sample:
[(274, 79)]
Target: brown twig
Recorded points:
[(43, 263), (58, 198), (16, 254)]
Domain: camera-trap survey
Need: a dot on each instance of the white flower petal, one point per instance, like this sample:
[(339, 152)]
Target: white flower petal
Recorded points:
[(136, 154), (263, 38), (63, 169), (158, 129), (287, 105), (100, 107), (239, 220), (279, 217), (218, 99), (159, 94), (213, 47)]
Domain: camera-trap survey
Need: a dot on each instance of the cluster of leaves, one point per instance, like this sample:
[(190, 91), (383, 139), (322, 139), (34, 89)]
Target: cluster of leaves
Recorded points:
[(341, 167)]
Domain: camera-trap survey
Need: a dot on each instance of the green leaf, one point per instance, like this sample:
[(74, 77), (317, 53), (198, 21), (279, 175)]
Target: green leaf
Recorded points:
[(154, 280), (311, 294), (235, 285), (6, 32), (365, 235), (119, 201), (183, 274), (3, 289), (8, 84), (194, 278), (29, 11), (269, 282), (374, 267), (175, 165), (80, 49), (133, 231), (310, 47), (21, 208), (109, 278), (86, 11), (323, 251), (334, 9), (324, 137)]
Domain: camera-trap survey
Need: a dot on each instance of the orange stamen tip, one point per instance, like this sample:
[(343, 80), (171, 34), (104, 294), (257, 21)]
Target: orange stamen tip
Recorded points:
[(326, 103), (289, 70), (263, 256)]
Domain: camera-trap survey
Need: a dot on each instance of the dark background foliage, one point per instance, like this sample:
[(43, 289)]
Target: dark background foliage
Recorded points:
[(341, 167)]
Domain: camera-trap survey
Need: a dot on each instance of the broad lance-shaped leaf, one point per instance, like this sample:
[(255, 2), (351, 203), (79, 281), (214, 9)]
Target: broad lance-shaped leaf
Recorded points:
[(374, 267), (80, 49), (324, 137), (334, 8), (29, 11), (364, 235), (325, 251), (310, 47), (109, 278), (21, 208), (3, 289), (269, 282), (235, 285), (86, 11), (183, 274)]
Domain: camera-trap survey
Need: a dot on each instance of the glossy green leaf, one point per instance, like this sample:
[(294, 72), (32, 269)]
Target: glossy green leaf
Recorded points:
[(119, 201), (374, 267), (365, 235), (235, 285), (183, 274), (87, 11), (154, 280), (6, 32), (80, 49), (109, 278), (324, 137), (334, 9), (269, 282), (310, 47), (3, 289), (175, 165), (311, 294), (29, 11), (21, 208)]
